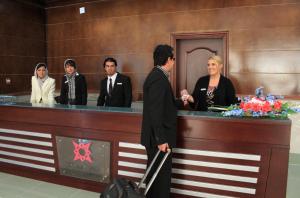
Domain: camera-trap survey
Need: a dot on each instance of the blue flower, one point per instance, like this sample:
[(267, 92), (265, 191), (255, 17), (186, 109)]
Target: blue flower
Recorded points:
[(270, 98), (261, 106), (246, 99), (255, 114)]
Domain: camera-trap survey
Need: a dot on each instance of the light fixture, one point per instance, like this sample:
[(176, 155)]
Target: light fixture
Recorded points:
[(81, 10)]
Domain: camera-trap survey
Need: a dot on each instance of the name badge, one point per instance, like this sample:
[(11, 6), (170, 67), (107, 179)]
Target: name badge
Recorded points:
[(119, 83), (202, 89)]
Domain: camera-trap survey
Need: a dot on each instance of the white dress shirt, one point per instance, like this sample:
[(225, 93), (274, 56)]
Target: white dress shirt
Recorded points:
[(113, 79)]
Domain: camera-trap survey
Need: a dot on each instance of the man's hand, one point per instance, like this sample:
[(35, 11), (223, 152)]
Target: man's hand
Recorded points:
[(184, 92), (163, 147), (186, 97)]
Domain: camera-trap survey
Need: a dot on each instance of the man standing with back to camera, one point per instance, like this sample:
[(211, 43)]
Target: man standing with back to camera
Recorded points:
[(159, 123)]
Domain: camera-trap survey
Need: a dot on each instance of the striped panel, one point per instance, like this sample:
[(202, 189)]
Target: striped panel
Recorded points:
[(30, 165), (197, 194), (45, 135), (27, 149), (198, 152), (198, 173)]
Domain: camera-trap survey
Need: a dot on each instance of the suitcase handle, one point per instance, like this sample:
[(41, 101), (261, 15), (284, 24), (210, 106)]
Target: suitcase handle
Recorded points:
[(156, 172)]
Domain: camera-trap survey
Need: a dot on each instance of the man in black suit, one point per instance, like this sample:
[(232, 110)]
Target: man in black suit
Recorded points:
[(115, 89), (159, 123)]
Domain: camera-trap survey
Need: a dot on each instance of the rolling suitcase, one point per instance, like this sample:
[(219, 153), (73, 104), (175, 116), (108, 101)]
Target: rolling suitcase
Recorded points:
[(124, 188)]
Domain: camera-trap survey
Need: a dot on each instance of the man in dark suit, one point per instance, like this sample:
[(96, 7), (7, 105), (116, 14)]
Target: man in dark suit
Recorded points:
[(159, 123), (115, 89)]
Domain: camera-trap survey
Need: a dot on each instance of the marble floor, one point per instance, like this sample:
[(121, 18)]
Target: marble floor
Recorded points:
[(20, 187)]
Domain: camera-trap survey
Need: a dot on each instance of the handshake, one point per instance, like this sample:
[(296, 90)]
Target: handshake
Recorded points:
[(186, 97)]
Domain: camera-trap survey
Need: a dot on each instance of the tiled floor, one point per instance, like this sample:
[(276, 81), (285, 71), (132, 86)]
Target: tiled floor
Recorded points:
[(19, 187), (293, 188)]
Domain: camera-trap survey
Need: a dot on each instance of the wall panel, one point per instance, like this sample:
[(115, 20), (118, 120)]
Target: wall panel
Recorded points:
[(263, 37), (22, 38)]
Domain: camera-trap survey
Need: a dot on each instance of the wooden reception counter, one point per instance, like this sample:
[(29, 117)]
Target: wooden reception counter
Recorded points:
[(85, 147)]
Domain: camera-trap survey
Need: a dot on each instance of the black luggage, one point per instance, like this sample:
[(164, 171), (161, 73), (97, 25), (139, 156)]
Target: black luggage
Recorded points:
[(124, 188)]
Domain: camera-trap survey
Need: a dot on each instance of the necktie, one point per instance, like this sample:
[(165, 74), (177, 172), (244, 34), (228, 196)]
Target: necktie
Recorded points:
[(110, 87)]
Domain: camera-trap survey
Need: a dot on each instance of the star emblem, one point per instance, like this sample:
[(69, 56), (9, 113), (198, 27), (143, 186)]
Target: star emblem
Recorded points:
[(82, 151)]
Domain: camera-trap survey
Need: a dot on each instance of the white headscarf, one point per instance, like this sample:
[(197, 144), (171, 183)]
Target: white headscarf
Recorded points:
[(41, 80)]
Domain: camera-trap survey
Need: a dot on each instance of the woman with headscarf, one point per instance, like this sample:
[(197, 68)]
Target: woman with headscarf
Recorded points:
[(73, 86), (43, 86)]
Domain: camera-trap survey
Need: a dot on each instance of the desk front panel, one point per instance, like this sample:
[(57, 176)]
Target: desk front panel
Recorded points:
[(214, 157)]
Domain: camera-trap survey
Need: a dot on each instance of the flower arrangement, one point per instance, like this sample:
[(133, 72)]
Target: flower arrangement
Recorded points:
[(260, 106)]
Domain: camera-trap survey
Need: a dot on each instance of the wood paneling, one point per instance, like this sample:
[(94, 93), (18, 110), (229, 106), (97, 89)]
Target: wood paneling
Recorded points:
[(263, 47), (120, 8), (278, 84), (233, 157), (262, 42), (22, 38)]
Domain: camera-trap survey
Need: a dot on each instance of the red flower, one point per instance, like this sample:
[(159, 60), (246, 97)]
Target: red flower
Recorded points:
[(242, 105), (277, 105), (256, 107), (266, 107), (246, 107)]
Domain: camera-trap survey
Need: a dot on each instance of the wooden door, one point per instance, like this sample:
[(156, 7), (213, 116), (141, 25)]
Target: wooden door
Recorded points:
[(192, 52)]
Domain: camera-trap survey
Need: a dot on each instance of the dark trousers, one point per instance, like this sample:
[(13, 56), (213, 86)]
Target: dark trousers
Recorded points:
[(162, 184)]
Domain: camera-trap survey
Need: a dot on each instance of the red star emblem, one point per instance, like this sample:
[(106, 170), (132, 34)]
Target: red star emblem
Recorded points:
[(82, 151)]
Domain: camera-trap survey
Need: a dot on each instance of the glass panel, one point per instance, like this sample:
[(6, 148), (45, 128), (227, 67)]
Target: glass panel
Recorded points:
[(137, 111), (7, 99), (85, 159)]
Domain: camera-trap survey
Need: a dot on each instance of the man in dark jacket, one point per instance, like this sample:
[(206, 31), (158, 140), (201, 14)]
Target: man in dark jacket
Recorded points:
[(159, 123), (115, 89)]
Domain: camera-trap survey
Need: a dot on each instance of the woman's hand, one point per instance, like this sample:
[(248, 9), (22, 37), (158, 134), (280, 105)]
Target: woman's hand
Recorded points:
[(190, 99), (186, 97), (184, 94)]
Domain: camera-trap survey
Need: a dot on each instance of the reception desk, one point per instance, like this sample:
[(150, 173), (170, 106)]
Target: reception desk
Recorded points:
[(85, 147)]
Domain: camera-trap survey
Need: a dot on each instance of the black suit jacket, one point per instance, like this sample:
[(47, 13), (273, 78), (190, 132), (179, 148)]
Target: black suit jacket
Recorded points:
[(159, 123), (80, 90), (224, 94), (121, 94)]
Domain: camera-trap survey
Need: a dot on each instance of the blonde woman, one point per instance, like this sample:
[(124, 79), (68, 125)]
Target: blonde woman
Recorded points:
[(213, 89), (43, 86)]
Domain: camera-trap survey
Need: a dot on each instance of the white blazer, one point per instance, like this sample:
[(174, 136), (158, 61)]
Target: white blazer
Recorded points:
[(46, 93)]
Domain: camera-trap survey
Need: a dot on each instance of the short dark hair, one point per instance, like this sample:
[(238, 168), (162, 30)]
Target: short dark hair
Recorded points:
[(110, 59), (70, 62), (161, 54)]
